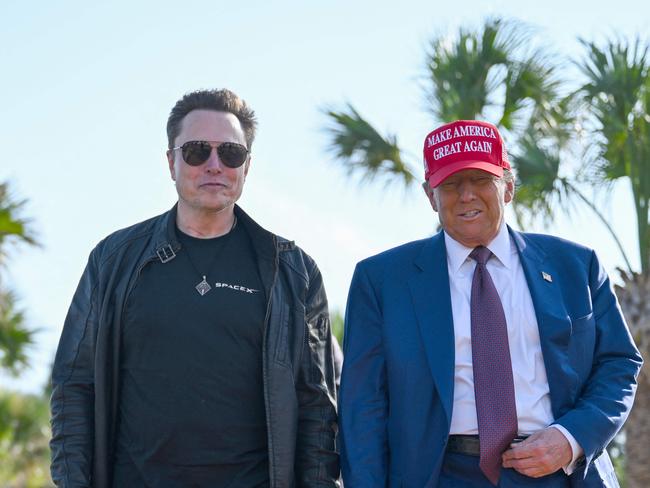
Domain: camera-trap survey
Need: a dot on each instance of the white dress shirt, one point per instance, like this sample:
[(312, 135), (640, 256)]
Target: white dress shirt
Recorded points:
[(532, 397)]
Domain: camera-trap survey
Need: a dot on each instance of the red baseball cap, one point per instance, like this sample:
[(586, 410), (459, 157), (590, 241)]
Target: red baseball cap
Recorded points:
[(464, 144)]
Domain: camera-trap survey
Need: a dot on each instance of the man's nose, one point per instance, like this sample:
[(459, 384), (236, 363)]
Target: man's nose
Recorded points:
[(466, 190), (214, 163)]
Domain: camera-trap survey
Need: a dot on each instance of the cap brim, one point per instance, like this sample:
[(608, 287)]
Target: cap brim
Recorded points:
[(443, 173)]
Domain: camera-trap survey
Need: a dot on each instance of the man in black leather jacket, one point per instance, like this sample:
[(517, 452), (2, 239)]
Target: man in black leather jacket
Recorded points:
[(165, 379)]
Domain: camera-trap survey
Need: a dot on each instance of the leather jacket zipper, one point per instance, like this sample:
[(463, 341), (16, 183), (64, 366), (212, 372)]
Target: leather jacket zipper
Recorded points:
[(265, 355)]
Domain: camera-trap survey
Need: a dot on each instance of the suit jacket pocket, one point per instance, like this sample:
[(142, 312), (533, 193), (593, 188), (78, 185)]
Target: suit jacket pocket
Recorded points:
[(581, 350)]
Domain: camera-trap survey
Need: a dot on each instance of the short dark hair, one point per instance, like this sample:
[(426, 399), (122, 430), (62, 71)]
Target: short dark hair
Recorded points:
[(221, 100)]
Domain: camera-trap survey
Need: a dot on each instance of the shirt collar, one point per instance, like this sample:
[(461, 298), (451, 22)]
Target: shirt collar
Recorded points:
[(500, 246)]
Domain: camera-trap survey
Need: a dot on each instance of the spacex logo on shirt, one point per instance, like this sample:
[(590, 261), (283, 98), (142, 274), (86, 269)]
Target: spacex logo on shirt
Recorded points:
[(241, 288)]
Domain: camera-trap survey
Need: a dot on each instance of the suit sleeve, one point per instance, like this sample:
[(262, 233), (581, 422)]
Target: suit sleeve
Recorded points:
[(363, 411), (607, 396), (72, 401), (317, 462)]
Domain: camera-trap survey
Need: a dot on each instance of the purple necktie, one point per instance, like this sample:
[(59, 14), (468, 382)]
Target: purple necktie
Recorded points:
[(493, 386)]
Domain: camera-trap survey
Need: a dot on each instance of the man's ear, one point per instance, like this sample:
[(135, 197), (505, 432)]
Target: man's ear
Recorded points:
[(428, 191), (510, 191), (170, 160)]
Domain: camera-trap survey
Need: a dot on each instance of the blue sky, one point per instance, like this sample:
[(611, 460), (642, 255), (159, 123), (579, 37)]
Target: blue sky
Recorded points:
[(86, 89)]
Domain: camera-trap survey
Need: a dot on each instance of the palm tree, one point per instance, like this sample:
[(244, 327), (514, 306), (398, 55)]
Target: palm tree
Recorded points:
[(24, 430), (617, 93), (14, 336), (464, 78), (487, 75), (633, 296)]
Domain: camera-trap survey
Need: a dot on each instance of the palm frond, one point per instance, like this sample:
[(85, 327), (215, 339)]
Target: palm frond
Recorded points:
[(531, 83), (618, 93), (538, 188), (363, 150), (617, 77), (13, 227), (458, 70), (15, 338)]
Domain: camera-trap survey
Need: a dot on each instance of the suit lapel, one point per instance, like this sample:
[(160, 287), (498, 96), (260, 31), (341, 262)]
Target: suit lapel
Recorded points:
[(429, 288), (553, 321)]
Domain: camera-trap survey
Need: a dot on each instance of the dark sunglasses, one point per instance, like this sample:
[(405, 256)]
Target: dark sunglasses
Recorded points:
[(195, 153)]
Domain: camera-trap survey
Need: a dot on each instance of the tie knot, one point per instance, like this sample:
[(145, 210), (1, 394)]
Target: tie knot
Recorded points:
[(481, 254)]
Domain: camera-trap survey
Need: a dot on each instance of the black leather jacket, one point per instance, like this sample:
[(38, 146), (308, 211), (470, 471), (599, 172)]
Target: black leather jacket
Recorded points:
[(298, 373)]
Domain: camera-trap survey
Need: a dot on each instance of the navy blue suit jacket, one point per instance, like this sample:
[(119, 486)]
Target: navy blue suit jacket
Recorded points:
[(398, 375)]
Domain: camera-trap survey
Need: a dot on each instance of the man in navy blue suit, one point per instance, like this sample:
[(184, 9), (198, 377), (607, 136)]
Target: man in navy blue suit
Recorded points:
[(482, 356)]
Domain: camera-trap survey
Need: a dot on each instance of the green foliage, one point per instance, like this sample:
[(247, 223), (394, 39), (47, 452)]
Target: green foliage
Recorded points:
[(24, 419), (537, 174), (459, 71), (465, 74), (616, 450), (13, 227), (336, 319), (364, 150), (15, 338), (617, 95), (24, 441)]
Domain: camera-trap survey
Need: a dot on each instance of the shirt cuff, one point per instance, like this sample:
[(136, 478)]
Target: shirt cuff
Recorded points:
[(576, 450)]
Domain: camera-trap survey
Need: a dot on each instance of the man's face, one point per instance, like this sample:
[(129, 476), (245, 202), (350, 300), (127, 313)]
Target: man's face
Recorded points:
[(470, 205), (212, 186)]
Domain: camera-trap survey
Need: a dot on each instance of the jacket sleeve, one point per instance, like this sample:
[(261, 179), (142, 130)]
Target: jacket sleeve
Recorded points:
[(317, 463), (72, 401), (363, 408), (606, 397)]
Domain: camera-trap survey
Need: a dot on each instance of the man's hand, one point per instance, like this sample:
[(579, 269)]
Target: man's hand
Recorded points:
[(541, 454)]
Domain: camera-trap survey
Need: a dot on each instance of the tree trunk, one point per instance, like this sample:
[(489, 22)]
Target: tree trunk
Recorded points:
[(634, 297), (637, 429)]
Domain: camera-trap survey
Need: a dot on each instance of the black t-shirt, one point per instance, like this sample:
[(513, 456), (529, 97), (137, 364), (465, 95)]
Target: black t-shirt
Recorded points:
[(192, 403)]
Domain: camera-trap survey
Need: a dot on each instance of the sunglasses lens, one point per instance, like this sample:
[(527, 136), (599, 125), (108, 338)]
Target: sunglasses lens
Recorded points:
[(196, 153), (232, 154)]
